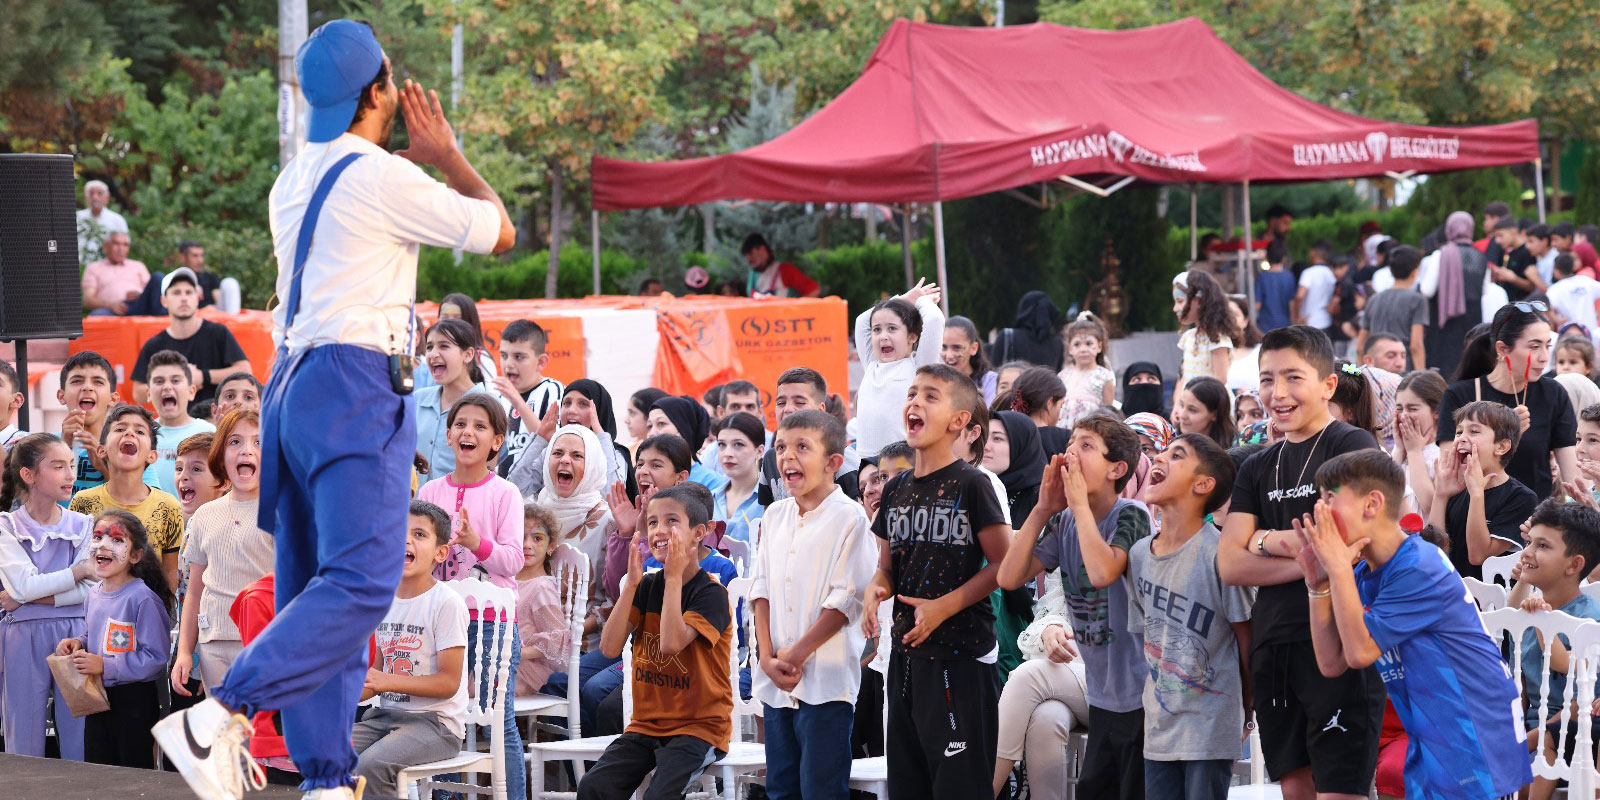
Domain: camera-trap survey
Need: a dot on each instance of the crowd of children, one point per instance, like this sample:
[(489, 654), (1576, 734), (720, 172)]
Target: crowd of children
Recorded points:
[(986, 559)]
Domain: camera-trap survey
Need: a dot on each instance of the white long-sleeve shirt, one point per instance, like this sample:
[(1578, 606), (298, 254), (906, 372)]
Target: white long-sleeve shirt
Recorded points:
[(806, 563), (881, 397)]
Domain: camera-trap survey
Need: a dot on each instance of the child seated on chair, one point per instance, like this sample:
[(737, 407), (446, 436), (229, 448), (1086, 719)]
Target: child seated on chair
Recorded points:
[(423, 701), (1563, 546), (544, 628), (683, 632)]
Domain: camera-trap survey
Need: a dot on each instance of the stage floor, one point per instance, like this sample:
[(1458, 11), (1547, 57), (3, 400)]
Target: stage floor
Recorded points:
[(25, 778)]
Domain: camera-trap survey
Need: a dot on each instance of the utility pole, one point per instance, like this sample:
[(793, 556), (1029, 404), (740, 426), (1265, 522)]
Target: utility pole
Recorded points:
[(291, 105)]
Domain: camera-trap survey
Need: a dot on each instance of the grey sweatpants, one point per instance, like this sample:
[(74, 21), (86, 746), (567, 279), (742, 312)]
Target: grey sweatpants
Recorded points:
[(389, 741)]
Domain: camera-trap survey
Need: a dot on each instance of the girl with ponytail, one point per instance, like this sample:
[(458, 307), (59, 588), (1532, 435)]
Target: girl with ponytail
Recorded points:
[(45, 567)]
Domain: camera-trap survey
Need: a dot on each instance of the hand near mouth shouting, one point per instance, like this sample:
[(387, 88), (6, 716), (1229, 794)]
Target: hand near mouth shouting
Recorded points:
[(1447, 478), (465, 535), (1052, 495), (1473, 476), (1073, 484)]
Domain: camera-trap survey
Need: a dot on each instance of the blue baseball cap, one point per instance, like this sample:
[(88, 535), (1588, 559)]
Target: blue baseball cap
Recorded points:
[(334, 65)]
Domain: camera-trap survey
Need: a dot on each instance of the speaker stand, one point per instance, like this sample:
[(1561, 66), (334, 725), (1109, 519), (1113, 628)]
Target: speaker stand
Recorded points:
[(22, 378)]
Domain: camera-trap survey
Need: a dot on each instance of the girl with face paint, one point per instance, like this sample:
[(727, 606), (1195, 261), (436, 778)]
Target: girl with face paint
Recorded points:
[(44, 559), (125, 641)]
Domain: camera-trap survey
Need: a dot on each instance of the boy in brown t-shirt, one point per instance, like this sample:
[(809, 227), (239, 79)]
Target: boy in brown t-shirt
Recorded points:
[(683, 629)]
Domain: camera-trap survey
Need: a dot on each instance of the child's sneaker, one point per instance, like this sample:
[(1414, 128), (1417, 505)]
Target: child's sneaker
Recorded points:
[(352, 792), (210, 748)]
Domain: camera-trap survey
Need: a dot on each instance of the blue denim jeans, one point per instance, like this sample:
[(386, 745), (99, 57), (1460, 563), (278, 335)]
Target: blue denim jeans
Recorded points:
[(1187, 780), (808, 751)]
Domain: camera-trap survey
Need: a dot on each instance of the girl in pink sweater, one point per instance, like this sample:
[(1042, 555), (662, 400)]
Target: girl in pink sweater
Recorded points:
[(485, 509), (486, 512)]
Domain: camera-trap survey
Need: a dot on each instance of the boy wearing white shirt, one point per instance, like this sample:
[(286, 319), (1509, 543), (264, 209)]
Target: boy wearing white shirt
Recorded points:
[(808, 628), (422, 701), (1574, 296)]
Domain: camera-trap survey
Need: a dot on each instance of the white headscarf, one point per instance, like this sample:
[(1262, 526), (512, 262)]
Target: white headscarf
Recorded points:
[(572, 512)]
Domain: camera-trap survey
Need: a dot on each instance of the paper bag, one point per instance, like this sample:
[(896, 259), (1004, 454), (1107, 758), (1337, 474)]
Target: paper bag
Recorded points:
[(84, 693)]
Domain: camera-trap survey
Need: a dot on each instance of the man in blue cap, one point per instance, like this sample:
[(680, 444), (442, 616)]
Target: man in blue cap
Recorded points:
[(338, 430)]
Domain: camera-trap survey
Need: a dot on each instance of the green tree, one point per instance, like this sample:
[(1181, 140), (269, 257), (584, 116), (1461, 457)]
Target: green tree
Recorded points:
[(556, 81)]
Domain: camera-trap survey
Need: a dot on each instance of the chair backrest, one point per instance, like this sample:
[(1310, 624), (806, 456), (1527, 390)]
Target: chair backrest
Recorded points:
[(493, 655), (1488, 596), (738, 553), (1497, 569), (574, 583), (1577, 764), (743, 709), (1591, 588)]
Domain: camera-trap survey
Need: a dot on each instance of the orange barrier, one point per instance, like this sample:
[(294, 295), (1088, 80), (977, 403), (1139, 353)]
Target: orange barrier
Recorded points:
[(704, 340)]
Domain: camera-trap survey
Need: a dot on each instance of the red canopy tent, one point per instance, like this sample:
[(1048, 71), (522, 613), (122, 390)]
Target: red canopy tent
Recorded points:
[(943, 112)]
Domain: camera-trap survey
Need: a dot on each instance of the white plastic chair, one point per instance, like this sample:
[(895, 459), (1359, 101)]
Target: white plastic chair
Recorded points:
[(493, 653), (1576, 766), (574, 578), (738, 553), (744, 757), (579, 749), (1487, 596), (1591, 588), (1497, 569), (1258, 788), (872, 774)]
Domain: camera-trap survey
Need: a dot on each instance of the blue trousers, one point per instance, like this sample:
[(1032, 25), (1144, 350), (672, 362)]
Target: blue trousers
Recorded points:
[(808, 751), (336, 449), (1187, 780)]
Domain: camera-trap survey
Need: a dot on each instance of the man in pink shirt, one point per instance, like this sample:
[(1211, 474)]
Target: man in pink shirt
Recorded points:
[(108, 284)]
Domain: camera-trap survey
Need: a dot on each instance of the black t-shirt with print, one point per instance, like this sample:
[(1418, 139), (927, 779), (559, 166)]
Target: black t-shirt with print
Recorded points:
[(1553, 425), (1505, 508), (932, 525), (211, 347), (1278, 485), (1517, 261)]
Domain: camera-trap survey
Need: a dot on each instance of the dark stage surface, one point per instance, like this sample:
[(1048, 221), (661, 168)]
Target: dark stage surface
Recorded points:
[(24, 778)]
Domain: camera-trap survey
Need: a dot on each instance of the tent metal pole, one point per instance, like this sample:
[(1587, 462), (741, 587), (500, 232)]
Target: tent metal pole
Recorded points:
[(1538, 186), (1247, 275), (938, 255), (1194, 234), (594, 244), (905, 243)]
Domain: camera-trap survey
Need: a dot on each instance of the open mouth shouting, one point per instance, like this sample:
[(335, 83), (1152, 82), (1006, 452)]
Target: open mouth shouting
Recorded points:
[(87, 402), (246, 468), (914, 423), (564, 477), (1157, 476), (792, 477), (167, 402), (186, 494), (128, 446), (885, 350), (436, 368)]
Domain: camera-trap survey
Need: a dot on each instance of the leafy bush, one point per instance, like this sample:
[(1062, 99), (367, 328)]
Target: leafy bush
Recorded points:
[(489, 278)]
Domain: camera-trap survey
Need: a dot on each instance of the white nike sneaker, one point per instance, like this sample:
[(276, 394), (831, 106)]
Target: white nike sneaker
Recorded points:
[(340, 793), (210, 748)]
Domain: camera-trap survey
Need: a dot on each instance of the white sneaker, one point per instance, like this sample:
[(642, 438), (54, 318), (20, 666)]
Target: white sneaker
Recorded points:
[(339, 793), (210, 748)]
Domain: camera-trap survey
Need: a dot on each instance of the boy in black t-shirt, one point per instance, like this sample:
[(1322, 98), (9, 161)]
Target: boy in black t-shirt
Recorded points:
[(1475, 502), (1320, 735), (947, 536)]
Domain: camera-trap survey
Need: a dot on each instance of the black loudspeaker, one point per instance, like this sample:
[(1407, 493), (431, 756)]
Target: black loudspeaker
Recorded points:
[(41, 296)]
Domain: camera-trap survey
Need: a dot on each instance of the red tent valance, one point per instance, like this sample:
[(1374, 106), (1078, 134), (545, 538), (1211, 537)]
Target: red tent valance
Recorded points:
[(942, 112)]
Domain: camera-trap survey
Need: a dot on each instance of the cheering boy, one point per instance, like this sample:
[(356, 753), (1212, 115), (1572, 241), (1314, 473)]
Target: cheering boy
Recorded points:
[(1319, 734), (1403, 609), (946, 535)]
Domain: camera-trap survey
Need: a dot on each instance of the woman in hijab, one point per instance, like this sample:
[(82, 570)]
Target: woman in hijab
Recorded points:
[(1013, 452), (1456, 289), (587, 404), (575, 479), (684, 417), (1036, 335), (1155, 432), (1142, 389)]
